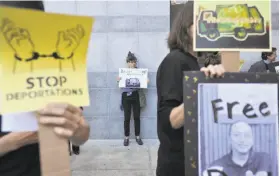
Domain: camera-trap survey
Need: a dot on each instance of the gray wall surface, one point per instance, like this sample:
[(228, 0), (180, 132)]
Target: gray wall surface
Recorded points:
[(121, 26)]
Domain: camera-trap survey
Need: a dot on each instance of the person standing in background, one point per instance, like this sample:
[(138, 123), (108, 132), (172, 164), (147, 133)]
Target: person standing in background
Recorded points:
[(170, 107), (131, 100), (263, 65)]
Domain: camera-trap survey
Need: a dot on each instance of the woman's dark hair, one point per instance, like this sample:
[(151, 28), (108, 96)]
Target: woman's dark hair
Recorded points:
[(212, 58), (131, 57), (265, 54), (36, 5), (179, 35)]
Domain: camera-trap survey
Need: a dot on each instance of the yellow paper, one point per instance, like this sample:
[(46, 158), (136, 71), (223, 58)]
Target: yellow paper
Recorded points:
[(43, 59), (241, 64)]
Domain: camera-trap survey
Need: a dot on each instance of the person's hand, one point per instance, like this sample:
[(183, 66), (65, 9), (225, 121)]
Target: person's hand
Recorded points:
[(68, 41), (19, 39), (118, 78), (64, 118), (214, 70), (24, 138)]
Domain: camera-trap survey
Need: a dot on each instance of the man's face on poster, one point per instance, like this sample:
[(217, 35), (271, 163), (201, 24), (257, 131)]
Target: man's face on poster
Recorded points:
[(241, 137)]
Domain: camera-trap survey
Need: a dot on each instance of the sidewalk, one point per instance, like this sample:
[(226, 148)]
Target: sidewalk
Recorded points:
[(110, 157)]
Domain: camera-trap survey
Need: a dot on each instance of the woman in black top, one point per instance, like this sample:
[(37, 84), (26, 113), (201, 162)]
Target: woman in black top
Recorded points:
[(19, 151), (170, 112), (131, 100)]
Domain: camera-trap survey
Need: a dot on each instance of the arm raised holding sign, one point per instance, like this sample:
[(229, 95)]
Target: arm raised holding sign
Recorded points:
[(16, 140), (177, 113), (67, 121)]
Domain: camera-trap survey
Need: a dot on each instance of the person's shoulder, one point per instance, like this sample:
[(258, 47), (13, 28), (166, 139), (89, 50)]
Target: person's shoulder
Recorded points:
[(175, 57), (218, 164), (255, 66), (259, 63), (261, 155), (221, 161)]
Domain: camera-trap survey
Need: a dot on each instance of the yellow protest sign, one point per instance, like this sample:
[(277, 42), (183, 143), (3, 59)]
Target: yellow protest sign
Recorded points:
[(43, 59)]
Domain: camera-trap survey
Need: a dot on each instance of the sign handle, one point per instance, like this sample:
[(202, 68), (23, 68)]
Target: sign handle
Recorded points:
[(231, 60), (54, 153)]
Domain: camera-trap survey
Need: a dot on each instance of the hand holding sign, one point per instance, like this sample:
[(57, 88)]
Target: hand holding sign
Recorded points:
[(213, 70), (68, 41), (118, 79), (65, 119), (19, 39)]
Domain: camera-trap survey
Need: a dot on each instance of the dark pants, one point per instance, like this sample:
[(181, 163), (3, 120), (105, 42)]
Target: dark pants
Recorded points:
[(131, 102), (173, 169), (74, 148), (170, 163)]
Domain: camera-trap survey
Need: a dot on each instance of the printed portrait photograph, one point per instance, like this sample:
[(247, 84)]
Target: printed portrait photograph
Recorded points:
[(238, 132)]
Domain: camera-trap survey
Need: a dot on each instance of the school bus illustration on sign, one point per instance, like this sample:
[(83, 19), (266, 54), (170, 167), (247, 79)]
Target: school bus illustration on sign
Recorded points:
[(237, 21)]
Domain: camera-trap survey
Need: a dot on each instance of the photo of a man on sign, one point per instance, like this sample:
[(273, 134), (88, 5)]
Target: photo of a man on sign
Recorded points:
[(234, 163)]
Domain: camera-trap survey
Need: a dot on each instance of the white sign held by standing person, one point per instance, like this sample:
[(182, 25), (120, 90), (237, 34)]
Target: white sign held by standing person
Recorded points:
[(133, 78)]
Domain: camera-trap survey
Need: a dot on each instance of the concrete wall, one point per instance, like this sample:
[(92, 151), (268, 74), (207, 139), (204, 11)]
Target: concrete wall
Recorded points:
[(121, 26), (138, 26)]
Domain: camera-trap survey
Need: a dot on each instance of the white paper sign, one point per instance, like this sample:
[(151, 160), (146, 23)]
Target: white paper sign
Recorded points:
[(19, 122), (133, 78)]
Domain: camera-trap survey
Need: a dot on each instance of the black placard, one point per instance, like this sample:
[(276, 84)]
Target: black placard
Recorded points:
[(220, 110)]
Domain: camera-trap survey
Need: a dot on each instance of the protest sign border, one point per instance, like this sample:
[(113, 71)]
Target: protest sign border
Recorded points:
[(191, 81)]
